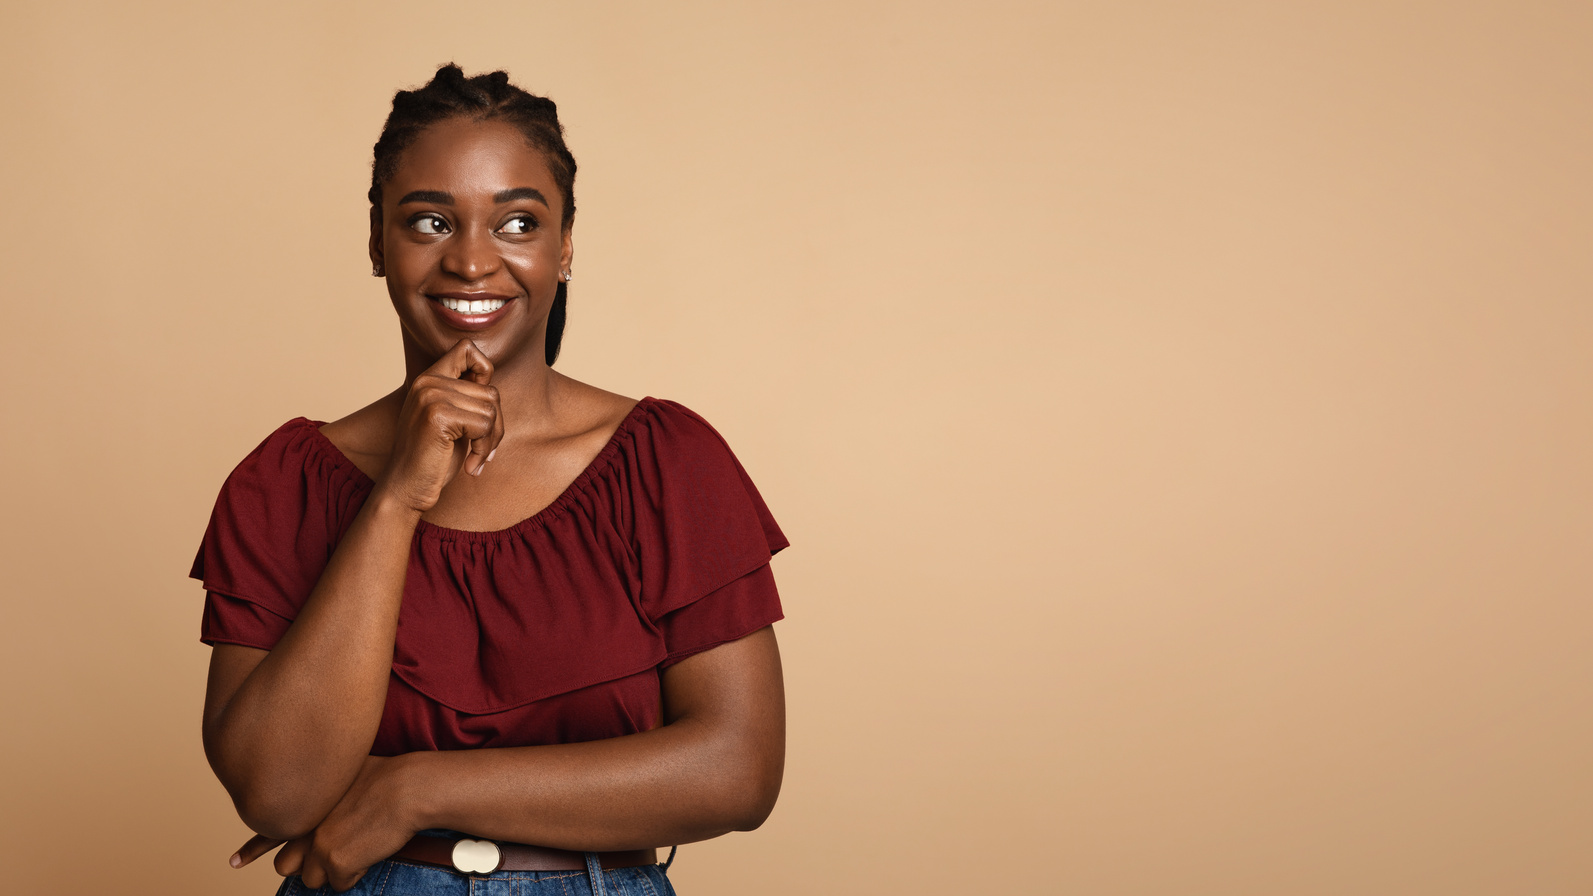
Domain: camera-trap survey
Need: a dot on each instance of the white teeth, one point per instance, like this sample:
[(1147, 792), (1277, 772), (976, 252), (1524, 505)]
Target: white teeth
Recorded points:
[(478, 306)]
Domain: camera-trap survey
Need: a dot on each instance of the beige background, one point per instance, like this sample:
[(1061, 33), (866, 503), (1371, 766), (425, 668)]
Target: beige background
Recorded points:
[(1180, 412)]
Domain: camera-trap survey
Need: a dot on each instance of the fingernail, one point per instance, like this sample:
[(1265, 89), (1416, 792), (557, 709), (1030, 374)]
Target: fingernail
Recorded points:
[(236, 861), (479, 467), (491, 453)]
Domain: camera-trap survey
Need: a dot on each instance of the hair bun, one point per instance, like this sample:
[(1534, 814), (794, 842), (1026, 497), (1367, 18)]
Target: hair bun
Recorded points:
[(450, 74)]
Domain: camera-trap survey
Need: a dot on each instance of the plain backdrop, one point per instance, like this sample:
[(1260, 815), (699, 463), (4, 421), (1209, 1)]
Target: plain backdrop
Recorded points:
[(1180, 412)]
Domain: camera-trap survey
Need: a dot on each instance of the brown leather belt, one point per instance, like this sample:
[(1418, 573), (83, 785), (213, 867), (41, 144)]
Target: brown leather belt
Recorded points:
[(485, 856)]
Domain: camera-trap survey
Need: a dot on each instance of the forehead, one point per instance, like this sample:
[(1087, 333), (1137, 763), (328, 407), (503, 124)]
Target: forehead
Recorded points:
[(463, 156)]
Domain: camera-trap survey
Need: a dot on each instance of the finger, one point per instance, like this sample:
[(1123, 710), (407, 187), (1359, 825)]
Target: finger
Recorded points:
[(485, 447), (290, 860), (454, 417), (454, 389), (466, 420), (257, 846), (480, 368), (313, 875), (480, 450), (343, 882), (465, 360)]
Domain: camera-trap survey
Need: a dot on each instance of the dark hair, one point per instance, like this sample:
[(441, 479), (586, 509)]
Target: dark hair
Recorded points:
[(450, 94)]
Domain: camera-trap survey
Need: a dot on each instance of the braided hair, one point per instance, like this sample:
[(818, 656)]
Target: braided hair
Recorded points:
[(450, 94)]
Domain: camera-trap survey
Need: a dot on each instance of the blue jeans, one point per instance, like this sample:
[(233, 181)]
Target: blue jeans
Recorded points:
[(397, 877)]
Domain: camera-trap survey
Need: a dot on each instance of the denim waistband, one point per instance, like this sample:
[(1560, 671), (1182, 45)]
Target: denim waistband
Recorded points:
[(594, 871)]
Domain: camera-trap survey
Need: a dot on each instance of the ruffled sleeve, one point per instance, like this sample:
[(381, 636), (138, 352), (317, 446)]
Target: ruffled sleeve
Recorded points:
[(734, 611), (275, 524), (702, 536)]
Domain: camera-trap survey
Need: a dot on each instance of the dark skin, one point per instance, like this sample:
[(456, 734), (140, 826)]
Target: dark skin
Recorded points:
[(289, 731)]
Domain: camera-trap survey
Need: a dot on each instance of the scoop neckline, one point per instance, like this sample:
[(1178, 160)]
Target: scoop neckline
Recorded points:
[(555, 508)]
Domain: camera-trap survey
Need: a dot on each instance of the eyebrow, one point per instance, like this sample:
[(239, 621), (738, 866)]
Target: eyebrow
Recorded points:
[(439, 197), (435, 197), (521, 193)]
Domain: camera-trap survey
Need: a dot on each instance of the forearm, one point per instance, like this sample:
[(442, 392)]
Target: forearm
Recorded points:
[(293, 736), (684, 782)]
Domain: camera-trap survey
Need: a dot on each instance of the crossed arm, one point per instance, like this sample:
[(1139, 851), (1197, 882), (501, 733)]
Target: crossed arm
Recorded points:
[(288, 732)]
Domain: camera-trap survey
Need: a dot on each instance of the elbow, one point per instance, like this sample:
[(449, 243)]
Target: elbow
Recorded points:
[(733, 788), (263, 804), (753, 814), (271, 815), (751, 768), (749, 796), (267, 808)]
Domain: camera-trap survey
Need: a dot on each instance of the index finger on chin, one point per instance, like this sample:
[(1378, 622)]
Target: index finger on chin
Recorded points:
[(465, 360)]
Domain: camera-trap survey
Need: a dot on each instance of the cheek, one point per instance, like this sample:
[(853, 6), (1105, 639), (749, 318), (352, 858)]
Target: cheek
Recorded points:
[(410, 258), (534, 261)]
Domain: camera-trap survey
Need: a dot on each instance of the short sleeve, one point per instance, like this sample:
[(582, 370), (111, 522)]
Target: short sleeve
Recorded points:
[(230, 620), (270, 535), (700, 529), (734, 611)]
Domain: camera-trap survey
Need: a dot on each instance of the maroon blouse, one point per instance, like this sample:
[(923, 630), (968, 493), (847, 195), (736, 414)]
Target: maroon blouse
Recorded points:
[(553, 630)]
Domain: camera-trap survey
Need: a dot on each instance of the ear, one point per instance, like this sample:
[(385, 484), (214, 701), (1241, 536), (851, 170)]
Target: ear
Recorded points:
[(567, 253), (377, 259)]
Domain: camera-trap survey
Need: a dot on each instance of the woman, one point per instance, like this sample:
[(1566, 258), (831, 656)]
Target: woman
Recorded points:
[(498, 624)]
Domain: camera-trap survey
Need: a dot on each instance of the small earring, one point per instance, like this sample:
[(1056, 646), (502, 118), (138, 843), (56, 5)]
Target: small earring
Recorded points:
[(567, 276), (376, 270)]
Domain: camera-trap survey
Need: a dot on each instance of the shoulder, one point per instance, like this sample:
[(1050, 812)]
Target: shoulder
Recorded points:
[(294, 461), (700, 522), (586, 414), (677, 454), (679, 422), (365, 437), (284, 449), (678, 435), (276, 517)]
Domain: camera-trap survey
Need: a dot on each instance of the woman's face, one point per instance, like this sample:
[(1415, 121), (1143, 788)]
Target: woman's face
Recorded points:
[(472, 241)]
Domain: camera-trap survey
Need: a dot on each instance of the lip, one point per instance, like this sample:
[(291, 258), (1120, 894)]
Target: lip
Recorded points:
[(470, 322)]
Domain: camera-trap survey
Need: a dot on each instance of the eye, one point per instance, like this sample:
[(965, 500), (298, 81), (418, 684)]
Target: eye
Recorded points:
[(429, 224), (519, 224)]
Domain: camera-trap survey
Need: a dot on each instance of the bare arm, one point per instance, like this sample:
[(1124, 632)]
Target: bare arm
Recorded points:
[(288, 731), (714, 767)]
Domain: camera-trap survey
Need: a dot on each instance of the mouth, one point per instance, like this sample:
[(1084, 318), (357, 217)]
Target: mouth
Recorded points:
[(470, 311)]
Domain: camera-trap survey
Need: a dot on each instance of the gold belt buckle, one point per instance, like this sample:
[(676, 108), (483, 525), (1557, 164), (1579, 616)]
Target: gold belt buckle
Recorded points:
[(477, 856)]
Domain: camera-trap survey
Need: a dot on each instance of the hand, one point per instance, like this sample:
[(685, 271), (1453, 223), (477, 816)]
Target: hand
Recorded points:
[(254, 848), (366, 826), (451, 420)]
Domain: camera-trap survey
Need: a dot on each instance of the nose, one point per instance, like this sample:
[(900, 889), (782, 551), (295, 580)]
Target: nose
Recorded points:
[(472, 254)]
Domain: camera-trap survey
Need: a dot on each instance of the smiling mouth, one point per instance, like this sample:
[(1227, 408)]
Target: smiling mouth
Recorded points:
[(470, 306)]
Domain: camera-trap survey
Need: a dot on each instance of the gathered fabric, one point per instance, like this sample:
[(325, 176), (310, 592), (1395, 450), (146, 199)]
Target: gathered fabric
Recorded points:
[(554, 630)]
